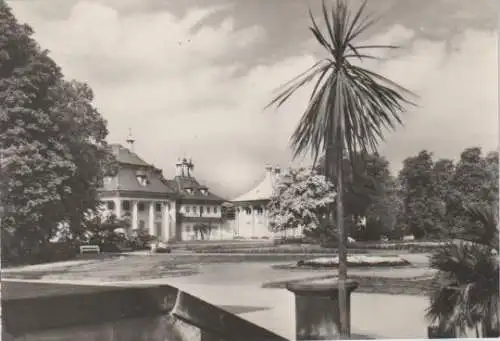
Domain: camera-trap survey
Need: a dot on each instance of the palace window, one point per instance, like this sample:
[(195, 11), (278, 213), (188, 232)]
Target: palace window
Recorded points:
[(142, 224), (142, 178), (141, 207), (188, 209), (248, 210), (158, 207), (111, 205), (259, 210), (126, 205), (215, 209), (208, 209), (195, 209)]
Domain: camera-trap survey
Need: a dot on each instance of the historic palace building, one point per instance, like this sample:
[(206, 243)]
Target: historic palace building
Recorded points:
[(170, 209), (252, 213)]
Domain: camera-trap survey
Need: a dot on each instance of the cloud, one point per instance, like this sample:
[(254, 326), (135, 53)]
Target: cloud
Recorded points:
[(183, 87), (458, 89)]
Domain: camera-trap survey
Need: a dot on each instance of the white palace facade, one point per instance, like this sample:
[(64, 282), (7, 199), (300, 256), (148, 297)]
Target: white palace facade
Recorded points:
[(168, 208), (174, 209), (251, 213)]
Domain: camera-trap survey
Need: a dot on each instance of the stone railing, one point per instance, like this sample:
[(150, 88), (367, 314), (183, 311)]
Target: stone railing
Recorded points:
[(34, 311)]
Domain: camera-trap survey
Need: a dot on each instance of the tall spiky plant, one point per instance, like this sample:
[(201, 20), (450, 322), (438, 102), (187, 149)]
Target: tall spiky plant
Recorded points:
[(350, 107)]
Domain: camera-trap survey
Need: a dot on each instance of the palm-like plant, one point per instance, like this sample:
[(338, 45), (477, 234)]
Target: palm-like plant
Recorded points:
[(350, 108), (465, 293)]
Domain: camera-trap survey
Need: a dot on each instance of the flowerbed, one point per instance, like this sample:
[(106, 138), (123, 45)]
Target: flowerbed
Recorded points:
[(380, 285), (409, 246), (288, 249), (353, 261), (353, 248)]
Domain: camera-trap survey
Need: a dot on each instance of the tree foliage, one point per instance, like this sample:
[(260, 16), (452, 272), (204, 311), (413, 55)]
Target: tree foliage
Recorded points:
[(301, 199), (370, 194), (474, 182), (52, 144), (422, 205)]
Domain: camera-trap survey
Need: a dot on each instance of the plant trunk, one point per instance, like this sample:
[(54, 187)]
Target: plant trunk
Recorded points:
[(342, 271)]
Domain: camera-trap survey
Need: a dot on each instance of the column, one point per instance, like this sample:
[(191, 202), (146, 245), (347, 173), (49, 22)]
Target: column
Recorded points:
[(317, 313), (151, 220), (134, 215), (236, 231), (118, 208), (165, 221), (252, 213), (173, 220)]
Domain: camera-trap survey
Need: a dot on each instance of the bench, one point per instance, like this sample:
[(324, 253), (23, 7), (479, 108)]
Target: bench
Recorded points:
[(90, 248)]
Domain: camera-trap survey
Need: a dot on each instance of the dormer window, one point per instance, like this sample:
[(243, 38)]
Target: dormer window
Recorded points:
[(107, 180), (189, 191), (204, 191), (142, 178)]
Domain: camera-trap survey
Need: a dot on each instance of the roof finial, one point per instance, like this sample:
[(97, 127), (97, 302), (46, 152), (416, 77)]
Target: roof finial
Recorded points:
[(130, 139)]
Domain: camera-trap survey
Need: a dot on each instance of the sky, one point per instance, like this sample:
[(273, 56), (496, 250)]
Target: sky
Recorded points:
[(191, 78)]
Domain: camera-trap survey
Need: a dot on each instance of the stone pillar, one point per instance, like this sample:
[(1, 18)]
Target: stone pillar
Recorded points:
[(151, 219), (252, 213), (134, 215), (118, 208), (317, 314), (173, 221), (166, 222), (236, 230)]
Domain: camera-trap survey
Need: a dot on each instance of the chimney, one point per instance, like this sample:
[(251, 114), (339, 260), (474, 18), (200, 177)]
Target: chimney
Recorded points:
[(130, 140), (178, 167), (185, 167), (190, 167), (269, 171)]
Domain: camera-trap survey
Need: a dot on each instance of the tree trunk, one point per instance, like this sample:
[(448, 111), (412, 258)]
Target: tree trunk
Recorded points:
[(342, 271)]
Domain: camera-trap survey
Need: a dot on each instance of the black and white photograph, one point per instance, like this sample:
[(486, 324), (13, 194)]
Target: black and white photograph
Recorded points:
[(249, 170)]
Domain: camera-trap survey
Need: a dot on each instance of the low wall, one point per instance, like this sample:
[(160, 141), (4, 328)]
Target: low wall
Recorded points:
[(34, 311)]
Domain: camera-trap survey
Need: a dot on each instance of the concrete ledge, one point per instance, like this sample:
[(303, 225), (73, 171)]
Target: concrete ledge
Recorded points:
[(324, 286), (214, 320), (80, 312), (29, 307)]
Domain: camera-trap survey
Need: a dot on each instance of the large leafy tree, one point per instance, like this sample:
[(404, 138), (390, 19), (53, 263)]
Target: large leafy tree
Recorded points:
[(465, 293), (369, 193), (474, 182), (350, 107), (84, 135), (52, 143), (422, 205), (301, 198)]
